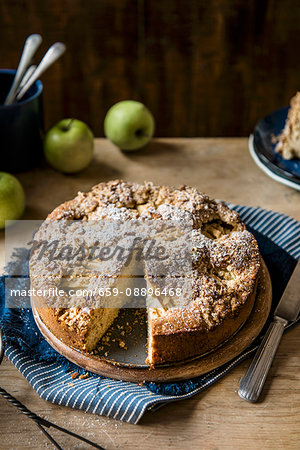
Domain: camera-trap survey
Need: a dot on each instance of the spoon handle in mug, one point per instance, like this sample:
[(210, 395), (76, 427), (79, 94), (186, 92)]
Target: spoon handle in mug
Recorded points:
[(31, 45), (26, 77), (53, 53)]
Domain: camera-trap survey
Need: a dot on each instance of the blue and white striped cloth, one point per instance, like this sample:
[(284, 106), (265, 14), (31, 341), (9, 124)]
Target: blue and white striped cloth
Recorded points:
[(128, 401), (281, 229)]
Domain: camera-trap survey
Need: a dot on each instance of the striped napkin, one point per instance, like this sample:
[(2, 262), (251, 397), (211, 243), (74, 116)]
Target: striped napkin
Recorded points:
[(50, 373)]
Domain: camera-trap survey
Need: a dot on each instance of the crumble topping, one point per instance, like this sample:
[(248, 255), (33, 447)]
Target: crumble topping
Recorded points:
[(225, 256)]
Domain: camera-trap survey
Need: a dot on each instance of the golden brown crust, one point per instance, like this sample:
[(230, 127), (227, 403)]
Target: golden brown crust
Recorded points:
[(182, 345), (72, 336), (225, 266), (71, 326)]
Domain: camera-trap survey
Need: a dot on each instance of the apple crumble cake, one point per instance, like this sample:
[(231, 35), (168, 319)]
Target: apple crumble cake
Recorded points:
[(224, 274)]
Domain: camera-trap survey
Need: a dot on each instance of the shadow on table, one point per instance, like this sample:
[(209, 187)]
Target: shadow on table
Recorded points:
[(153, 149)]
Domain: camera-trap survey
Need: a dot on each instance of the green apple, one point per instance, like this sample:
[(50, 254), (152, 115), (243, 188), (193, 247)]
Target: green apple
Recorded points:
[(69, 145), (12, 198), (129, 125)]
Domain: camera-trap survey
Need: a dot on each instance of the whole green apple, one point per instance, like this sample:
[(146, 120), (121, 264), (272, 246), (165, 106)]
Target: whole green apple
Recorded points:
[(69, 145), (129, 125), (12, 198)]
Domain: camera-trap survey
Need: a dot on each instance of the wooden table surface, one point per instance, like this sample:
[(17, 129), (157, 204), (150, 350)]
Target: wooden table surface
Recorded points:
[(216, 418)]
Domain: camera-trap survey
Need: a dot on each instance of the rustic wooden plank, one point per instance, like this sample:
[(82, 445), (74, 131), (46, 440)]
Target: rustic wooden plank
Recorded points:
[(216, 418), (204, 68)]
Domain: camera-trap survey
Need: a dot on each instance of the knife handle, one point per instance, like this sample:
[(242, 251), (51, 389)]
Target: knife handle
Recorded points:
[(252, 383)]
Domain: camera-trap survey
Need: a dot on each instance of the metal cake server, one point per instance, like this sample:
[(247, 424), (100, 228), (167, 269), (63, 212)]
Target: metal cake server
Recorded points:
[(287, 311)]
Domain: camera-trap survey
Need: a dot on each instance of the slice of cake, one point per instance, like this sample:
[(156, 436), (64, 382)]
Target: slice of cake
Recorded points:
[(289, 140)]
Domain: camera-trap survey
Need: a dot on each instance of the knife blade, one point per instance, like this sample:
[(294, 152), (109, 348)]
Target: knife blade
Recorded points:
[(289, 306), (287, 311)]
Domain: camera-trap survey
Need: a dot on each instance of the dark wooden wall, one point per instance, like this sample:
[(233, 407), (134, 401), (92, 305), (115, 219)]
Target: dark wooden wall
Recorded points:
[(204, 67)]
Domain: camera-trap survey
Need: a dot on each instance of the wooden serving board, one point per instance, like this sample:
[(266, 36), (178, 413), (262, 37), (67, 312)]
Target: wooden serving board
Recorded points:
[(127, 371)]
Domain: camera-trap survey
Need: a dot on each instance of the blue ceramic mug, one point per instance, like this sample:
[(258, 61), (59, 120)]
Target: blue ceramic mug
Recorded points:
[(21, 126)]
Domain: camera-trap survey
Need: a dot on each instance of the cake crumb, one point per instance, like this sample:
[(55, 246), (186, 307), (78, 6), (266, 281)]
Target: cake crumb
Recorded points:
[(85, 376), (122, 344)]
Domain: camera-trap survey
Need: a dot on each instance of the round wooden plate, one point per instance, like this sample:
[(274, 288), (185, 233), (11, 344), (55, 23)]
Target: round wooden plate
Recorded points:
[(179, 371)]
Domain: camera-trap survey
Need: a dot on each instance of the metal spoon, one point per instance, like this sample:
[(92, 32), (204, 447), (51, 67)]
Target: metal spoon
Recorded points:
[(53, 53), (30, 47), (26, 77)]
